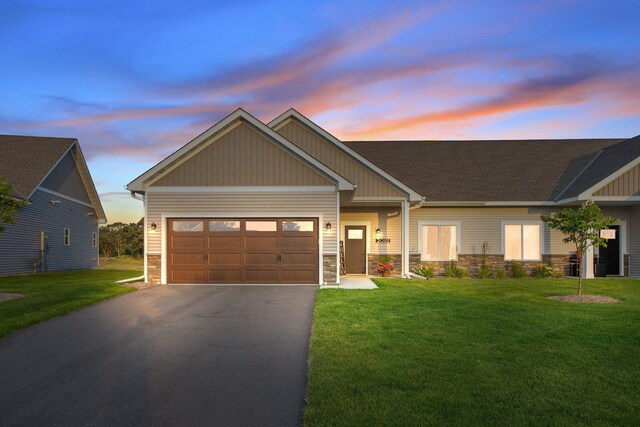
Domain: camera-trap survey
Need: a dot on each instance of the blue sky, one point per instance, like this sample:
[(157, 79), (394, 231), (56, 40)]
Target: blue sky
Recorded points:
[(133, 81)]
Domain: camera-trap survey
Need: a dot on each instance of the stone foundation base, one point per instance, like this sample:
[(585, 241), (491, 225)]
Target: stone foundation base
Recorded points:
[(472, 263), (329, 269), (154, 267), (374, 260)]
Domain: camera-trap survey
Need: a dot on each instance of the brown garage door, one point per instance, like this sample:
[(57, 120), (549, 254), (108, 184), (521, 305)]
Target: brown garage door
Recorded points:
[(207, 250)]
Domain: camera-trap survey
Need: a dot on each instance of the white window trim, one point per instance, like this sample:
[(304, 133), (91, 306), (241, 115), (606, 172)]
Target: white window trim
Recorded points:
[(458, 225), (94, 240), (66, 237), (522, 222)]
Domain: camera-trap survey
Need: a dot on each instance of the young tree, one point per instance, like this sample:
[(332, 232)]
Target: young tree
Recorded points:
[(8, 205), (581, 227)]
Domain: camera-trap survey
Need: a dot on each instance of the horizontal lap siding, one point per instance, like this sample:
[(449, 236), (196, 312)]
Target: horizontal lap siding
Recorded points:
[(20, 243), (388, 220), (634, 241), (228, 205), (480, 225)]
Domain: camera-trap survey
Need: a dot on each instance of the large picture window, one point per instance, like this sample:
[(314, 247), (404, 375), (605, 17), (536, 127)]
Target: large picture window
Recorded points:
[(439, 242), (522, 242)]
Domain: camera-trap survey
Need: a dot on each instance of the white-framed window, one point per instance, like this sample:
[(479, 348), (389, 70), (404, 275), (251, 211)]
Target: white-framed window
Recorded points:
[(522, 241), (67, 237), (94, 240), (439, 241)]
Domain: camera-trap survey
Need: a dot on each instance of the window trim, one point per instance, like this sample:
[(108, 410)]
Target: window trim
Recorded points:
[(458, 225), (66, 237), (94, 240), (521, 222)]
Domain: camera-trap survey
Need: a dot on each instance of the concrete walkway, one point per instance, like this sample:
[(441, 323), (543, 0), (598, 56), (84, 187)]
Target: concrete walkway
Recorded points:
[(170, 355), (354, 282)]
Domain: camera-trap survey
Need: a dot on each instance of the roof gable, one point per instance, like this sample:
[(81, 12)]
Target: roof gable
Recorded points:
[(29, 160), (140, 184), (65, 179), (371, 180), (241, 157)]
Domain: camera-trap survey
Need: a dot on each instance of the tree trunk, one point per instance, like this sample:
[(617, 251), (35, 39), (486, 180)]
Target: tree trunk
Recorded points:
[(580, 284)]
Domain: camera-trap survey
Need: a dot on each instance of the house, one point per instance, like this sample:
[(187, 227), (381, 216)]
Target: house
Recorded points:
[(284, 202), (58, 228)]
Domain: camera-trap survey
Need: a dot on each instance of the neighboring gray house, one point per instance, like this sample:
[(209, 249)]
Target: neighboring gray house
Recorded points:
[(58, 229), (287, 202)]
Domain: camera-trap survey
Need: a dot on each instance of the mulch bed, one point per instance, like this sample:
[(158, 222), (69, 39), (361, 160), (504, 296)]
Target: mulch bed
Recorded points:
[(6, 296), (593, 299)]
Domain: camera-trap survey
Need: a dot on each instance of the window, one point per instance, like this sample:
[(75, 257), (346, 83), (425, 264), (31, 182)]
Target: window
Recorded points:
[(188, 226), (67, 237), (355, 234), (522, 241), (439, 242), (293, 225), (94, 240), (261, 226), (224, 226)]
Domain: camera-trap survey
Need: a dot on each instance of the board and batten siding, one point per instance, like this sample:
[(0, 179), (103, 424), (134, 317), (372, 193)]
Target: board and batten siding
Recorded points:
[(245, 205), (627, 184), (242, 156), (66, 179), (369, 184), (20, 243), (484, 224)]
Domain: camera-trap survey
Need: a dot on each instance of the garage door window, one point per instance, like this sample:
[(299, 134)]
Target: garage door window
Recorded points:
[(224, 226), (187, 226), (261, 226), (297, 226)]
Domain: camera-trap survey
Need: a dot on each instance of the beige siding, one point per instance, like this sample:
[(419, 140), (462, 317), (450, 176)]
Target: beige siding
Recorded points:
[(242, 157), (389, 222), (627, 184), (369, 184), (634, 241), (241, 204)]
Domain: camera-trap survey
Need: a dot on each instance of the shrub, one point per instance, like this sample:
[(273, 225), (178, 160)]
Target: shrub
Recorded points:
[(517, 272), (541, 271), (485, 270), (424, 271), (454, 271), (500, 273), (385, 267), (384, 259)]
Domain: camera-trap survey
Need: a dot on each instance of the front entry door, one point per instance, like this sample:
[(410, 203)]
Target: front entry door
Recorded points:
[(610, 256), (355, 249)]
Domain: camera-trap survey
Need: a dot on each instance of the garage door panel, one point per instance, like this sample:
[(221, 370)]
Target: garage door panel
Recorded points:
[(225, 276), (261, 258), (303, 242), (225, 242), (188, 259), (261, 242), (225, 259), (228, 250), (187, 242)]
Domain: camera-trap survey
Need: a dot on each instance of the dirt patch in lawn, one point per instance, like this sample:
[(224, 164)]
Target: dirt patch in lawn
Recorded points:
[(137, 285), (6, 296), (593, 299)]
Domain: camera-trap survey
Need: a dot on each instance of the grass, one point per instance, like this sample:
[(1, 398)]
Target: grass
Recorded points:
[(475, 352), (49, 295), (123, 262)]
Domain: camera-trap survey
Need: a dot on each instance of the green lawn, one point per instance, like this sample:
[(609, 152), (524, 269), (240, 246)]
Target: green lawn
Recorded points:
[(54, 294), (475, 352), (123, 262)]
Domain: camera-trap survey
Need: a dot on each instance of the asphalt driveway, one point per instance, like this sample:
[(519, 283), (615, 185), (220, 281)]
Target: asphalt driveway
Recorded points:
[(172, 355)]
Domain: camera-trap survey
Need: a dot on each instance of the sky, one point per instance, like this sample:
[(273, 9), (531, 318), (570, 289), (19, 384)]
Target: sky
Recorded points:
[(135, 80)]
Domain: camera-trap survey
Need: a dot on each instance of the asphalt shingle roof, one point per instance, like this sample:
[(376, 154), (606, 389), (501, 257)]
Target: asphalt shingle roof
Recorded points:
[(26, 160), (501, 170)]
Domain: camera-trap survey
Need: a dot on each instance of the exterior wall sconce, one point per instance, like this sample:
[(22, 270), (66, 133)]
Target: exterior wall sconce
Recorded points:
[(327, 226), (153, 226), (378, 232)]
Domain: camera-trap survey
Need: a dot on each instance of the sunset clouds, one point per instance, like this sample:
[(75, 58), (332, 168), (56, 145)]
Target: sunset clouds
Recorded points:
[(134, 83)]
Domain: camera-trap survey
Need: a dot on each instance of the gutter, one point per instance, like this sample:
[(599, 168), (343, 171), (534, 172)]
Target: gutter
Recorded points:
[(140, 197)]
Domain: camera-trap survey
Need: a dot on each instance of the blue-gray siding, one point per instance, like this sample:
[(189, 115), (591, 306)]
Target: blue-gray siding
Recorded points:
[(20, 243), (66, 179)]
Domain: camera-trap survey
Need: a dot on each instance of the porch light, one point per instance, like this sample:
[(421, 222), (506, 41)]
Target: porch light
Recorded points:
[(327, 226), (378, 232), (153, 226)]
